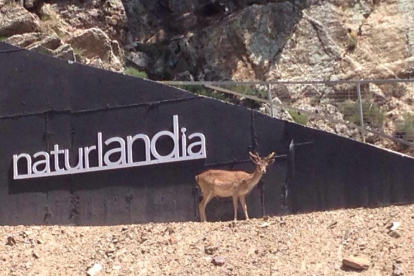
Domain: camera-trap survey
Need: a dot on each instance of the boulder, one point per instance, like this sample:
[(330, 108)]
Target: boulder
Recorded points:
[(245, 44), (359, 263), (94, 43), (184, 76), (140, 59), (65, 51), (25, 40), (51, 42), (50, 45), (30, 4), (17, 20)]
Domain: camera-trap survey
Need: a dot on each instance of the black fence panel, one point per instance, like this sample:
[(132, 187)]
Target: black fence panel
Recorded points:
[(48, 102), (335, 172)]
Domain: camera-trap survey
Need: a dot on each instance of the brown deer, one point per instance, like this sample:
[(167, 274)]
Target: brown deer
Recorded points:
[(236, 184)]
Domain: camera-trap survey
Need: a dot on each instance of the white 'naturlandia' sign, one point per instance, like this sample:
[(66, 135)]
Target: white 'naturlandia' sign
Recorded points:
[(42, 166)]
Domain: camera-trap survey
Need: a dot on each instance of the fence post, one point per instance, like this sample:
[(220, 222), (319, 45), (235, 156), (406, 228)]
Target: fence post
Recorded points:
[(269, 96), (361, 113)]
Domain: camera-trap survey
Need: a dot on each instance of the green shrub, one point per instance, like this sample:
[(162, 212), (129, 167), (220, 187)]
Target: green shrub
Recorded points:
[(373, 115), (405, 130), (246, 89), (201, 90), (77, 51), (397, 90), (3, 38), (131, 71), (298, 117), (352, 40)]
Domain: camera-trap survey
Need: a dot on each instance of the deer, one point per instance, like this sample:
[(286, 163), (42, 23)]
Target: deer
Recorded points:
[(235, 184)]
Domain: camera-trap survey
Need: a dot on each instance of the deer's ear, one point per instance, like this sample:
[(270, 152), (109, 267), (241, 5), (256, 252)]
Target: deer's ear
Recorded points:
[(270, 161)]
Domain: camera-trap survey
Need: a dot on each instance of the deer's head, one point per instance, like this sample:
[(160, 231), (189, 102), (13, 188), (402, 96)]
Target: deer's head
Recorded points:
[(262, 163)]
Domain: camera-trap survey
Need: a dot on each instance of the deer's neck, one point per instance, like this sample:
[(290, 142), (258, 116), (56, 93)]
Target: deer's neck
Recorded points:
[(255, 178)]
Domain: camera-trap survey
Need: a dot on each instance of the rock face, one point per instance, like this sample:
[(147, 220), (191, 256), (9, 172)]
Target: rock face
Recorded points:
[(259, 40), (317, 49), (16, 20), (107, 15), (29, 4), (94, 44), (245, 40), (56, 36), (249, 40), (47, 44), (141, 60), (280, 40)]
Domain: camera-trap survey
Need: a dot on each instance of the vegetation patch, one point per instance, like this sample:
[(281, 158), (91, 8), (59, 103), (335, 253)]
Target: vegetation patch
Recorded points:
[(131, 71), (352, 40), (246, 89), (373, 115), (298, 117), (201, 90), (405, 129), (249, 91), (397, 90)]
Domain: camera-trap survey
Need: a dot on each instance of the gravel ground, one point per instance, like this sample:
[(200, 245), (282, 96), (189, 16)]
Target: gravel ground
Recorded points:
[(306, 244)]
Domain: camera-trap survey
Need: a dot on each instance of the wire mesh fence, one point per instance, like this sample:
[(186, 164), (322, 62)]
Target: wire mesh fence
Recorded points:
[(378, 112)]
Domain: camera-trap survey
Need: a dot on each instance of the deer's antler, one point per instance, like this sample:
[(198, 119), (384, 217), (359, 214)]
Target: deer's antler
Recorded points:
[(270, 156), (254, 156)]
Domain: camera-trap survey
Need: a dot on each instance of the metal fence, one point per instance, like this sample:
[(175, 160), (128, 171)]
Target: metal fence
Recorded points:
[(379, 112)]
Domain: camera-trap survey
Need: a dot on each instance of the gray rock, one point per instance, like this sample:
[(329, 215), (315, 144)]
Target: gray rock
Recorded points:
[(218, 260), (10, 241), (210, 249), (29, 4), (244, 45), (140, 59), (396, 270), (17, 20), (95, 44), (184, 76), (51, 42), (95, 270), (25, 40), (65, 51)]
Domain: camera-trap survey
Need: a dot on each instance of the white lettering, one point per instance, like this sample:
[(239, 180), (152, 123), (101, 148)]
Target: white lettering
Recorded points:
[(121, 150), (100, 149), (174, 136), (201, 143), (16, 163), (55, 153), (87, 151), (130, 143), (184, 142), (80, 161), (106, 157), (45, 162)]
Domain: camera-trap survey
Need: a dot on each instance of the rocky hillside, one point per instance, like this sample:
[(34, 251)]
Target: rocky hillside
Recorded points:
[(355, 242), (238, 40)]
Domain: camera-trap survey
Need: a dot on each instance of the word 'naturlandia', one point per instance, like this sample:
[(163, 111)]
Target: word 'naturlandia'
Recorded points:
[(185, 148)]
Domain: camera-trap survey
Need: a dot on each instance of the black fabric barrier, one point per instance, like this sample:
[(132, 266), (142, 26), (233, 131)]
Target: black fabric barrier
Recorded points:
[(47, 101)]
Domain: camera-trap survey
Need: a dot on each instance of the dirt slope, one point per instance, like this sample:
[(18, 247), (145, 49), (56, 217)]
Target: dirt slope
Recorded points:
[(308, 244)]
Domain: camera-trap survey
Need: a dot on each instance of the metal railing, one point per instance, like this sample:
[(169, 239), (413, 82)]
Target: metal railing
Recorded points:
[(379, 112)]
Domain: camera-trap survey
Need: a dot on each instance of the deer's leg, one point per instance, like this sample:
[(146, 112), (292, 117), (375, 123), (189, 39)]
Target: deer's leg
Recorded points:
[(202, 206), (244, 206), (235, 203)]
